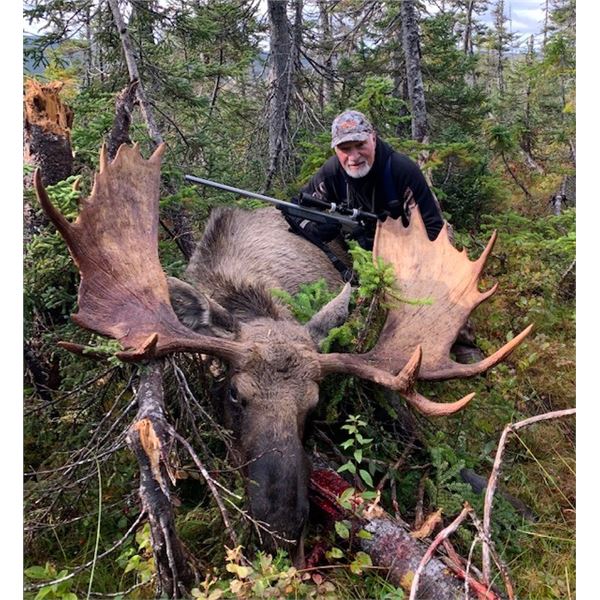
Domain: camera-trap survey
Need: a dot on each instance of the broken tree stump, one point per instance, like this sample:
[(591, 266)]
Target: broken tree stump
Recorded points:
[(47, 131)]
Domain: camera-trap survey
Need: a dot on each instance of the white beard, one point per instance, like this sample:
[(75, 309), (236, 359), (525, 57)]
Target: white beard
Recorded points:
[(358, 173)]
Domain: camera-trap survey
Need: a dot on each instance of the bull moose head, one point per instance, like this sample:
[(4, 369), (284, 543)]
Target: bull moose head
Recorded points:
[(275, 363)]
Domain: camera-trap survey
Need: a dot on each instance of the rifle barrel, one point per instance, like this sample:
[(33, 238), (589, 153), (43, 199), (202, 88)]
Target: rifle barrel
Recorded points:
[(294, 208)]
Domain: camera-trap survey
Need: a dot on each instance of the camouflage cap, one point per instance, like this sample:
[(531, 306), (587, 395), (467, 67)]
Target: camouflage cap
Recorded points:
[(350, 126)]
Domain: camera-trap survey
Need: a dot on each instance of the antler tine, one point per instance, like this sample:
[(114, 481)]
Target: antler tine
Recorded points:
[(403, 382), (454, 369), (103, 162), (158, 153), (435, 409), (481, 261), (354, 364), (59, 220), (235, 352)]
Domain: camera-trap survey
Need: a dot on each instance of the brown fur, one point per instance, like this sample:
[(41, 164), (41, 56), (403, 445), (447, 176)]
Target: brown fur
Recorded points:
[(241, 258), (243, 255)]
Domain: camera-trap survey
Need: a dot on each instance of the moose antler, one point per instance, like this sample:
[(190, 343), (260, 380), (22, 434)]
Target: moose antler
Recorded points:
[(440, 284), (114, 241)]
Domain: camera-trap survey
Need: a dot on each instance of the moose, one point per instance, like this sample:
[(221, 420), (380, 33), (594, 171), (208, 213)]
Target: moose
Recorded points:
[(226, 310)]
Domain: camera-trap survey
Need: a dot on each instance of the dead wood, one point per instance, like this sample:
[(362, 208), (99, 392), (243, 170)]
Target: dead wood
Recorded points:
[(443, 535), (493, 481), (47, 125), (148, 439), (134, 75), (391, 544), (124, 104)]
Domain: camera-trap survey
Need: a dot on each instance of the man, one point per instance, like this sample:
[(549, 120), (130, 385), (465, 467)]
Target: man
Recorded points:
[(367, 174)]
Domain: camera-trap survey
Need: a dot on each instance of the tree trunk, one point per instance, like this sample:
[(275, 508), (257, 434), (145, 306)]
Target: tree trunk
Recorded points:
[(500, 40), (468, 34), (414, 80), (546, 14), (280, 86), (148, 440), (514, 176), (124, 105), (400, 91), (414, 77), (89, 51), (326, 87), (47, 132), (526, 139), (134, 75), (46, 144)]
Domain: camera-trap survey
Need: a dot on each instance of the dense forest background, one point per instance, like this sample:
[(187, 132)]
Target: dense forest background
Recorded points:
[(243, 92)]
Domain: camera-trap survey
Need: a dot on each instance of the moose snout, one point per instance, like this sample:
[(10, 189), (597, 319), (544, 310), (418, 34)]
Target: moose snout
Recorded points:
[(278, 497)]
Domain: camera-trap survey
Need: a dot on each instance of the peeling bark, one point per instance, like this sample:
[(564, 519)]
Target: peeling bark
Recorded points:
[(148, 440)]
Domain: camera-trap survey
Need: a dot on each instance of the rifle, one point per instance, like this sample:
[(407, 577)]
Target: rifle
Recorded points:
[(351, 217)]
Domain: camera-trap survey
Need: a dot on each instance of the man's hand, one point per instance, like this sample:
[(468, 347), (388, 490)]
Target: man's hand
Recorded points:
[(363, 236), (323, 231)]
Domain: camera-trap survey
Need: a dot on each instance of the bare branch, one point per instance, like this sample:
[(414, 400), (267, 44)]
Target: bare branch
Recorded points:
[(439, 538), (493, 480)]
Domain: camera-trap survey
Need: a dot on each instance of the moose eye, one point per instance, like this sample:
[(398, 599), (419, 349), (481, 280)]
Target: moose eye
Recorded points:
[(235, 398), (233, 395)]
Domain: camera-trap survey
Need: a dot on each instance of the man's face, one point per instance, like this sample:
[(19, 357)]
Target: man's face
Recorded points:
[(357, 158)]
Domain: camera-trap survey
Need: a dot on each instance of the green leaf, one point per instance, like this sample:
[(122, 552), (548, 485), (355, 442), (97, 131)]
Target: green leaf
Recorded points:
[(364, 534), (345, 496), (37, 572), (361, 560), (363, 440), (347, 467), (368, 495), (358, 455), (334, 553), (43, 592), (342, 530), (366, 477)]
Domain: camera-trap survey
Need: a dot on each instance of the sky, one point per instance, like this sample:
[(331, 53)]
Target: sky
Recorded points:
[(527, 16)]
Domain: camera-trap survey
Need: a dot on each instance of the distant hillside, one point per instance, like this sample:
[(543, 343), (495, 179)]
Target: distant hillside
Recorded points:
[(28, 65)]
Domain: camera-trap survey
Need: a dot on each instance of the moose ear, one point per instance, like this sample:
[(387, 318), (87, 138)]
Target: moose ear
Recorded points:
[(333, 314), (199, 312)]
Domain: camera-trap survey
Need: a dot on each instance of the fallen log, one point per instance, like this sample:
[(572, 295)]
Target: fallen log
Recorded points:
[(391, 545)]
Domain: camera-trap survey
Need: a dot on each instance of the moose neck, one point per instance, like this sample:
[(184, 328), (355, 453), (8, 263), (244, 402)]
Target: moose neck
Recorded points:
[(245, 300)]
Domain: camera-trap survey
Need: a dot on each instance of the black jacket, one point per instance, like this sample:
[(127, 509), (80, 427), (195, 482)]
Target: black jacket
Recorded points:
[(368, 193)]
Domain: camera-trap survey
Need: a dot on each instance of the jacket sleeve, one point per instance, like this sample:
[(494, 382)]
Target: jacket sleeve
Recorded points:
[(412, 182), (320, 186)]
